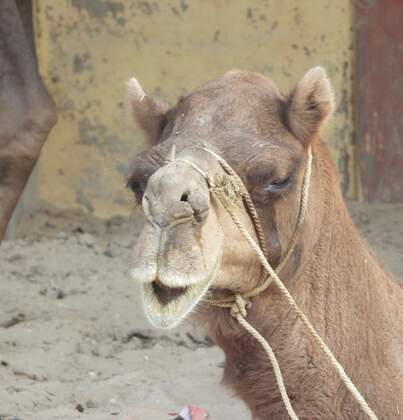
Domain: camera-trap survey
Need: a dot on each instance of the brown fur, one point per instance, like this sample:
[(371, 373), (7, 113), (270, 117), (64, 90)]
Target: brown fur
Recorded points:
[(27, 112), (355, 306)]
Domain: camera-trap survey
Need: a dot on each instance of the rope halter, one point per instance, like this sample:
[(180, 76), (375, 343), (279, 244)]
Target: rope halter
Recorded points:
[(227, 189)]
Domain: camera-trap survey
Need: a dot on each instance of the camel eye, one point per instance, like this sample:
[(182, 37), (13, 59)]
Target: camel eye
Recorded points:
[(137, 189), (279, 185)]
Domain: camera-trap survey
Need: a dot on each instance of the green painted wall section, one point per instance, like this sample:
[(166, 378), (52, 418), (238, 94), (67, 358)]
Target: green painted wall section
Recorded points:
[(89, 48)]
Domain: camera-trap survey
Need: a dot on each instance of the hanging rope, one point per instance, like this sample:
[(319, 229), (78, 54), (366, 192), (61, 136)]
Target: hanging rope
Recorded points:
[(226, 189)]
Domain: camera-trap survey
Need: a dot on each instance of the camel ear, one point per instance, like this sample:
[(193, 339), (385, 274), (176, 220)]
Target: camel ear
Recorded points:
[(149, 113), (310, 105)]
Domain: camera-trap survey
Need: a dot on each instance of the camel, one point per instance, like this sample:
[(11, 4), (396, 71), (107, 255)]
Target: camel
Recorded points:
[(27, 112), (189, 251)]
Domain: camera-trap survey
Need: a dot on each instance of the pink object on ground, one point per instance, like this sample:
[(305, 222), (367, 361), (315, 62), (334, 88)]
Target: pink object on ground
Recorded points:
[(191, 412)]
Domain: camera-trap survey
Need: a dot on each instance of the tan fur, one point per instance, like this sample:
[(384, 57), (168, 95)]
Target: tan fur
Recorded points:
[(311, 102), (354, 305)]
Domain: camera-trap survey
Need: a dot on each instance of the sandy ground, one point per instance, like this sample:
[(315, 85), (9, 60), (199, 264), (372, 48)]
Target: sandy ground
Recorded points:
[(74, 343)]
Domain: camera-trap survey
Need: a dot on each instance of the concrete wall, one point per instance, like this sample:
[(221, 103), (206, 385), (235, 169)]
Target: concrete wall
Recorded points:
[(88, 48)]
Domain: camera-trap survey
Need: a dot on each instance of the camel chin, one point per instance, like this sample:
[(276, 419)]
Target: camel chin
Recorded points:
[(165, 307)]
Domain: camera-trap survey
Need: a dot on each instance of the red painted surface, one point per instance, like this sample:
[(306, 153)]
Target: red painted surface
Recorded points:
[(379, 98)]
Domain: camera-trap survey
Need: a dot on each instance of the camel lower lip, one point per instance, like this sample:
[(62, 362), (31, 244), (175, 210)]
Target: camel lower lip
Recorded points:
[(165, 307)]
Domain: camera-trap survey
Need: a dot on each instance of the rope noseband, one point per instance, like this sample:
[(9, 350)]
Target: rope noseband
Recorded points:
[(227, 188)]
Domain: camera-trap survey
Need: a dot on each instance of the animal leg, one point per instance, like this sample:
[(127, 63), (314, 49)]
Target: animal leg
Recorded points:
[(27, 112)]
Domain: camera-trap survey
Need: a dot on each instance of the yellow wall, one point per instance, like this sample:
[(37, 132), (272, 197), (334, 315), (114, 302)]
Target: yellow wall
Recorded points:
[(88, 48)]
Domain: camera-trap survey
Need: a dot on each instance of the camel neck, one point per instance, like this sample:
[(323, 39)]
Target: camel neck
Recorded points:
[(348, 298)]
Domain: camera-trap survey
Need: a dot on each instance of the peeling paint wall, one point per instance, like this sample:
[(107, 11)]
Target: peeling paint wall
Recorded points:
[(88, 49)]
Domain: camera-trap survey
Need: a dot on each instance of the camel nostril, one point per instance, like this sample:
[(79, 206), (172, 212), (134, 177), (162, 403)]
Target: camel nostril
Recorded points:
[(201, 215), (185, 196)]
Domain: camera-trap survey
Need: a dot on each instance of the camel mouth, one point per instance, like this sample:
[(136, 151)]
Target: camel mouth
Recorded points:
[(175, 268), (165, 306), (166, 294)]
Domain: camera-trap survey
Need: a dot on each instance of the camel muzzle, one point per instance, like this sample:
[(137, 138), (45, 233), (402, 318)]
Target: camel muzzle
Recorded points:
[(176, 194), (175, 257)]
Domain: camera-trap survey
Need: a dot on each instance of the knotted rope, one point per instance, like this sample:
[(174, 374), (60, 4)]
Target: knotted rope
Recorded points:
[(226, 189)]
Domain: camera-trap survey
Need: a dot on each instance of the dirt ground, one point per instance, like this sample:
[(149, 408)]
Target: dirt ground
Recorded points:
[(73, 340)]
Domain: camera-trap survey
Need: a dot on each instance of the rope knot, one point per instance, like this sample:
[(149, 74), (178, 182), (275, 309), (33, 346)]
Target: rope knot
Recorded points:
[(240, 306), (228, 187)]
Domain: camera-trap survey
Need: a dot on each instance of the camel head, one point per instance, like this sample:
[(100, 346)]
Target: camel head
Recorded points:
[(189, 248)]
